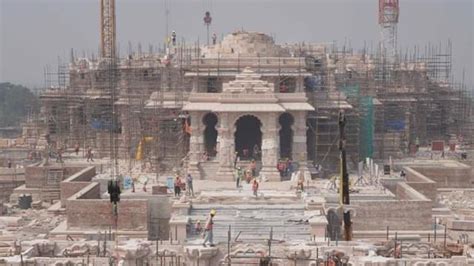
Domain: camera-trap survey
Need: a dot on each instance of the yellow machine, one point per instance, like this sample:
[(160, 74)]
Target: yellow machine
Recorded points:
[(140, 148)]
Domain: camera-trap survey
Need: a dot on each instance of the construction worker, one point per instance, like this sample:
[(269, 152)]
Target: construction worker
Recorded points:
[(59, 158), (248, 176), (281, 167), (89, 154), (289, 167), (236, 159), (177, 186), (189, 184), (403, 174), (253, 168), (238, 177), (245, 152), (9, 163), (209, 229), (198, 227), (214, 38), (173, 37), (301, 181), (255, 187), (256, 152), (76, 149)]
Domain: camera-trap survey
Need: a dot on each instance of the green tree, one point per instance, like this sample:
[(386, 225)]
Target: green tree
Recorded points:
[(16, 102)]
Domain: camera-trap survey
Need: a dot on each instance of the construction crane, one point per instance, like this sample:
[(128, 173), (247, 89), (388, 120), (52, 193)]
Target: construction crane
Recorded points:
[(109, 56), (107, 29), (344, 187), (389, 11)]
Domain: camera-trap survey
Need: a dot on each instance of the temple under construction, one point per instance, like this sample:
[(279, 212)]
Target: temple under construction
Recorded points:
[(195, 105), (259, 130)]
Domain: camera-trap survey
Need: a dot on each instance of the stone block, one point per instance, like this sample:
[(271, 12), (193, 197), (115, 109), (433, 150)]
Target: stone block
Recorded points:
[(178, 228), (463, 225), (318, 226), (159, 190), (181, 208), (315, 203)]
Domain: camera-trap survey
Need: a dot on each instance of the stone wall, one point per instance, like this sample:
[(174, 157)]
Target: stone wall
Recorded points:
[(35, 175), (85, 209), (75, 183), (411, 206), (448, 177), (421, 183), (7, 187), (91, 191)]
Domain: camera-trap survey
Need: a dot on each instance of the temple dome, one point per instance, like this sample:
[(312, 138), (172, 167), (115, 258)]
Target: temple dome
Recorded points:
[(245, 44)]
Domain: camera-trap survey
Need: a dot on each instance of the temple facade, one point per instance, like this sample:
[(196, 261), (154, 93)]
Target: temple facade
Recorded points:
[(247, 121)]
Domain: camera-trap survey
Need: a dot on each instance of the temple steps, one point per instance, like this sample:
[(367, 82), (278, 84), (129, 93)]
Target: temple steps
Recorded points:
[(253, 222)]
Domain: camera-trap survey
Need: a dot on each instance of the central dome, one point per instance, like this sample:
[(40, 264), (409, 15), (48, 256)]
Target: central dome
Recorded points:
[(245, 44)]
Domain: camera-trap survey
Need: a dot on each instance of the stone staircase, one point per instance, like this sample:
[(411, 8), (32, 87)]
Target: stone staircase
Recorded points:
[(245, 165), (208, 169), (253, 222)]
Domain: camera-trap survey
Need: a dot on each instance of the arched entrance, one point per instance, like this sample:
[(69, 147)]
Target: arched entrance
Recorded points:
[(286, 135), (210, 134), (248, 137)]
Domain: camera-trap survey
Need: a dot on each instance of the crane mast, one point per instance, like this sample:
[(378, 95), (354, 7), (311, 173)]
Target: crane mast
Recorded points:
[(107, 29), (344, 188)]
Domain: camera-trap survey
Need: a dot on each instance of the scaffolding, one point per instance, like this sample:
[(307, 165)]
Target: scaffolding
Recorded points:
[(390, 106)]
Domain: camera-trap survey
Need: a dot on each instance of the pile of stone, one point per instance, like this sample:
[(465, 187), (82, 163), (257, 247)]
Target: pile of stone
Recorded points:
[(457, 199)]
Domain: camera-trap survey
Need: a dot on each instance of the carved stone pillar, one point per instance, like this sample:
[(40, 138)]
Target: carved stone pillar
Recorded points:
[(200, 255), (178, 228), (225, 171), (195, 142), (318, 226), (300, 84), (299, 140), (270, 148)]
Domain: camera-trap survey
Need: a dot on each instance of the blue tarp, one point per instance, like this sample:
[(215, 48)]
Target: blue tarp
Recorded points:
[(102, 124), (313, 83), (397, 125)]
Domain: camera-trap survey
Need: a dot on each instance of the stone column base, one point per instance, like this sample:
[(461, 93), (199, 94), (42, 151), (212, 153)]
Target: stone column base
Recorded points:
[(270, 173), (225, 173), (318, 226), (178, 228), (303, 166)]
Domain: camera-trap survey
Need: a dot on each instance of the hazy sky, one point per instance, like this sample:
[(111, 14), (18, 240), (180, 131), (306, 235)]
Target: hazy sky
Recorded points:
[(34, 33)]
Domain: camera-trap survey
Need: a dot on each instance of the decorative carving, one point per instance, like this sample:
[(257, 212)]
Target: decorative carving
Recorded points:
[(134, 250), (201, 253), (247, 249), (248, 82), (298, 253)]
